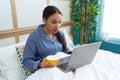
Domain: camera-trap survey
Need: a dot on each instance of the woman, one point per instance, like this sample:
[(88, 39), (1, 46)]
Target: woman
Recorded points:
[(46, 40)]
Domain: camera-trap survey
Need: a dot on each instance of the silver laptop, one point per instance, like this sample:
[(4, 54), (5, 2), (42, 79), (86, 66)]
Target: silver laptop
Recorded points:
[(80, 56)]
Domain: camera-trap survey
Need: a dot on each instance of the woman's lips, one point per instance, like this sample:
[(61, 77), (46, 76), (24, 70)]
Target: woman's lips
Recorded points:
[(55, 30)]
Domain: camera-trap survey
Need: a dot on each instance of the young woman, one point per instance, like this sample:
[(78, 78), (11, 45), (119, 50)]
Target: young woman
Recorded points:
[(46, 40)]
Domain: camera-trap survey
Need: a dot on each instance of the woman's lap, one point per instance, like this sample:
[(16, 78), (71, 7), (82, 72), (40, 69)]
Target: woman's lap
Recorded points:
[(50, 74)]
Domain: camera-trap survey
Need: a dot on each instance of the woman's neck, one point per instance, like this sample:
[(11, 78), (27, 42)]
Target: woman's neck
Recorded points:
[(50, 35)]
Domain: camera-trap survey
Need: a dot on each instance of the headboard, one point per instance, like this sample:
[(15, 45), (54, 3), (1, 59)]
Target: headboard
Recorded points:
[(18, 30)]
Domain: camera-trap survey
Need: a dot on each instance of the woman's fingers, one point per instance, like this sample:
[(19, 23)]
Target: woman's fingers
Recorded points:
[(45, 64)]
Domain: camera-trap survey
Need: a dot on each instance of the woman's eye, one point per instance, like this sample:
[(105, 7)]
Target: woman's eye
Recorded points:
[(53, 22), (60, 22)]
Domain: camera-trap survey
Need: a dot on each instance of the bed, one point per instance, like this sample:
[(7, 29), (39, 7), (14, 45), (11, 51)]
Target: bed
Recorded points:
[(105, 66)]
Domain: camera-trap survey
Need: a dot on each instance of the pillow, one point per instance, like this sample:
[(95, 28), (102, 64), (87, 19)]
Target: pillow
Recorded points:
[(70, 44), (1, 78), (68, 37), (9, 66), (20, 50), (69, 41)]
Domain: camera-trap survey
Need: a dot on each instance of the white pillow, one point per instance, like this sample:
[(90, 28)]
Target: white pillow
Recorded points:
[(9, 66), (70, 43), (1, 78)]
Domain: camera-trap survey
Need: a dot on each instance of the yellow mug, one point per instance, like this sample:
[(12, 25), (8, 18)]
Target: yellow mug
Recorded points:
[(51, 60)]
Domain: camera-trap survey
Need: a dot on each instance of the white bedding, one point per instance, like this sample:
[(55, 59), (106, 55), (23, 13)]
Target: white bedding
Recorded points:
[(106, 66)]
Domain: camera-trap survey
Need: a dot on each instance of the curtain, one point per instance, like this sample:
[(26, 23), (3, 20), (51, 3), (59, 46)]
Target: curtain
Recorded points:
[(111, 16)]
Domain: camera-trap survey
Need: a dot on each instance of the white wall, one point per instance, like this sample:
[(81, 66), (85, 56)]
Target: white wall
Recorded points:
[(5, 15), (7, 41), (63, 5), (29, 12)]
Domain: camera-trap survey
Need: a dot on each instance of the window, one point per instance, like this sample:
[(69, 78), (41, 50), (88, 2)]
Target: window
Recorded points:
[(111, 19)]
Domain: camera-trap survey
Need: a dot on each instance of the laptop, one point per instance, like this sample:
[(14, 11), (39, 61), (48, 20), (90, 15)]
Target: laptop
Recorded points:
[(80, 56)]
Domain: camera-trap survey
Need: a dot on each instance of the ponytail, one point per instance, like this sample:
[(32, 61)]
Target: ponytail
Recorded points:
[(62, 41)]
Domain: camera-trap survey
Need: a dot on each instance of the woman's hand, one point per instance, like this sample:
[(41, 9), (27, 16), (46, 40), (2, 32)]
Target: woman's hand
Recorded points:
[(45, 64)]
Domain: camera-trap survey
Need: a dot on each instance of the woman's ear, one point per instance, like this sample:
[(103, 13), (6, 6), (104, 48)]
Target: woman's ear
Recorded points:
[(44, 19)]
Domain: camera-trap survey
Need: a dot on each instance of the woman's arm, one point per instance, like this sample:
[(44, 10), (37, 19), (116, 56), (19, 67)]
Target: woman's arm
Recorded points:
[(29, 59)]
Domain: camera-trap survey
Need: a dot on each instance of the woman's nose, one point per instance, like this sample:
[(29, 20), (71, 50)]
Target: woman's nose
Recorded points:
[(58, 25)]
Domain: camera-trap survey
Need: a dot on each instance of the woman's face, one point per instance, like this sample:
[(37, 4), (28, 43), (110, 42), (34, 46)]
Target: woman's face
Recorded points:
[(53, 23)]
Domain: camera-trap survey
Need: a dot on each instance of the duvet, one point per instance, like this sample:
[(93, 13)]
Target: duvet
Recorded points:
[(105, 66)]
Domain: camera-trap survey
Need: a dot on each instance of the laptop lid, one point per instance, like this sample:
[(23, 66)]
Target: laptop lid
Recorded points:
[(82, 55)]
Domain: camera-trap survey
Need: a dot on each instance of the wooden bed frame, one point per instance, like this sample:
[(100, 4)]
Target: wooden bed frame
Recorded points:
[(16, 31)]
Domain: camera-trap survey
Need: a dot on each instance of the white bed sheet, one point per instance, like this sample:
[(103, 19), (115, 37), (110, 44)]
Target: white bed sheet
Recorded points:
[(105, 66)]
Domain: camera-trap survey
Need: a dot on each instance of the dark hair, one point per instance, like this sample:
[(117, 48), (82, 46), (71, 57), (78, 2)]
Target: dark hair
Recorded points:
[(48, 11), (62, 41)]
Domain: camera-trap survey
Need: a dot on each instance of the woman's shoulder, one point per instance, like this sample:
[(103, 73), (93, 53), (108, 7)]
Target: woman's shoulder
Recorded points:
[(38, 31), (61, 32), (35, 34)]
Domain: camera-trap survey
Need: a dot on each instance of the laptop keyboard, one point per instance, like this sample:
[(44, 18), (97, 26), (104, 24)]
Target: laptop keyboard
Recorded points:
[(63, 66)]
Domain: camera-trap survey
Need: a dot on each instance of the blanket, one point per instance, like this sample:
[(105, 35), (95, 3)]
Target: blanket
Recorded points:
[(105, 66)]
